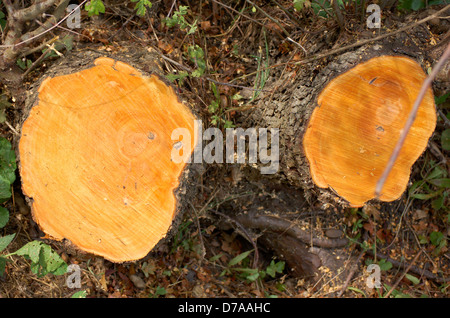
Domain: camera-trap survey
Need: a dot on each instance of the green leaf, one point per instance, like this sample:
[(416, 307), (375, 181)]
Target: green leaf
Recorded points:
[(423, 196), (443, 98), (445, 139), (412, 278), (31, 249), (8, 164), (43, 259), (5, 188), (141, 7), (417, 4), (437, 172), (357, 290), (213, 107), (5, 240), (180, 76), (239, 258), (275, 268), (384, 265), (215, 257), (445, 182), (95, 7), (298, 5), (253, 277), (4, 216), (436, 238), (438, 203), (79, 294)]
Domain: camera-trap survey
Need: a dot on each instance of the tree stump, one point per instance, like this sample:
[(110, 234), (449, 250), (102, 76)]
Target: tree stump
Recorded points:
[(298, 95), (96, 154)]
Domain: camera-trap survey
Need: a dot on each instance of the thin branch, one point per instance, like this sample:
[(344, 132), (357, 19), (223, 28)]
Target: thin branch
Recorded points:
[(409, 122)]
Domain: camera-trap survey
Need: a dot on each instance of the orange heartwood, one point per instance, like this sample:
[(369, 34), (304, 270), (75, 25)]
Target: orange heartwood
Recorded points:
[(357, 123), (95, 159)]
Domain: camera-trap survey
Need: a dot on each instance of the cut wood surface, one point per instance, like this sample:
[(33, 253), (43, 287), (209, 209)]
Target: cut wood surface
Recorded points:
[(358, 121), (95, 158)]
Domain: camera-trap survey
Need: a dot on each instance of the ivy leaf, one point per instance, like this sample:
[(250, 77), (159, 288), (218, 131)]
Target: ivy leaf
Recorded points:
[(5, 188), (436, 238), (4, 216), (8, 164), (31, 249), (5, 240)]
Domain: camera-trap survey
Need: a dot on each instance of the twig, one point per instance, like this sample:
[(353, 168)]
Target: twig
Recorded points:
[(403, 275), (12, 128), (409, 122)]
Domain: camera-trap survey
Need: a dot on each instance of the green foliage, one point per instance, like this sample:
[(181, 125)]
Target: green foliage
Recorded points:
[(4, 242), (94, 7), (8, 168), (43, 259), (197, 56), (2, 20), (178, 19), (24, 63), (418, 4), (298, 4), (435, 185), (141, 7), (159, 291), (4, 216), (79, 294), (250, 274)]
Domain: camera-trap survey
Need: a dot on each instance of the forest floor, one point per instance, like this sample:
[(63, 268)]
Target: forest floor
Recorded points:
[(228, 41)]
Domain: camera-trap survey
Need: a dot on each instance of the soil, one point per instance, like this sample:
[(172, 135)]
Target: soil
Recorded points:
[(195, 262)]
